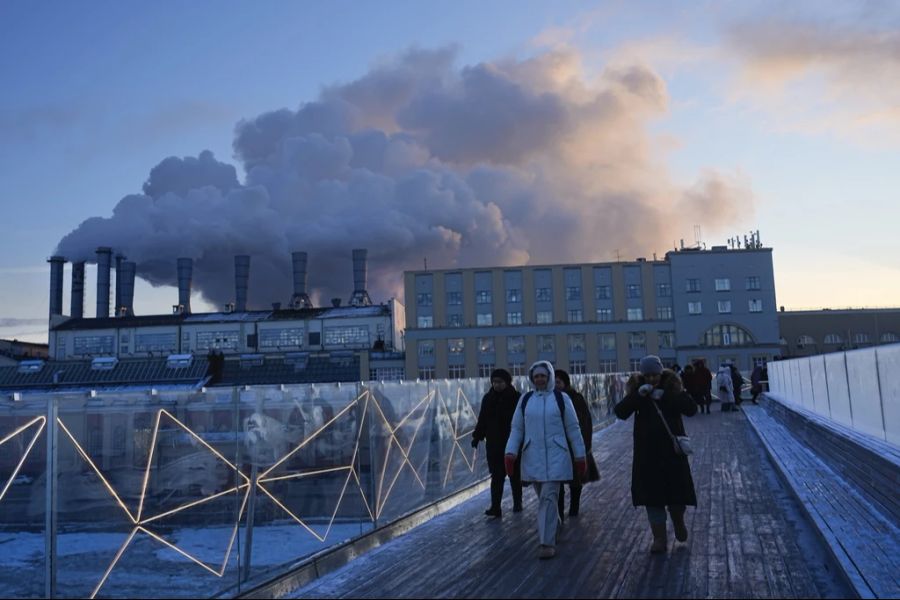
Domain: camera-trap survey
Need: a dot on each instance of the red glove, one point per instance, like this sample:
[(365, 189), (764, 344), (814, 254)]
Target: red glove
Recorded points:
[(510, 462), (581, 468)]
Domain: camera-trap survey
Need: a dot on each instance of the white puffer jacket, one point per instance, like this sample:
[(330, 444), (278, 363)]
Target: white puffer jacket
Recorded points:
[(541, 434)]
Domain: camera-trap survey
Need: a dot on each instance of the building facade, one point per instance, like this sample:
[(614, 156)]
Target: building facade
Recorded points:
[(714, 304), (807, 332)]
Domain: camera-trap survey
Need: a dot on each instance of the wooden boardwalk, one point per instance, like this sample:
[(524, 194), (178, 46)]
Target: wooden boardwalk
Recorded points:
[(748, 538)]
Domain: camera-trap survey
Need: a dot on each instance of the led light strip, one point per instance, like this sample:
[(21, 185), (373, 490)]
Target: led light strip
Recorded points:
[(43, 421)]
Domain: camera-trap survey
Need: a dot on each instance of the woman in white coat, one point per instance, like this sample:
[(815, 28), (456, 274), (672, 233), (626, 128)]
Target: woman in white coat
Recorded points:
[(545, 429)]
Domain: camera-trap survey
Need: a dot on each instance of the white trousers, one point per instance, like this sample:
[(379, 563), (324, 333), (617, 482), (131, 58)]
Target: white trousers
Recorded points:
[(548, 512)]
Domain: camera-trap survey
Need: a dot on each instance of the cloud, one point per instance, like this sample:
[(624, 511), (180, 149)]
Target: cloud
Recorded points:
[(498, 163)]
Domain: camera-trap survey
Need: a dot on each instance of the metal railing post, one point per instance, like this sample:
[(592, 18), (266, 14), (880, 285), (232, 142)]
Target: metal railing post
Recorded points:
[(50, 522)]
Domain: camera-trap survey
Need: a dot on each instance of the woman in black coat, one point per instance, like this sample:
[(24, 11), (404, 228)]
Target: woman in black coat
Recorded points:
[(660, 478), (586, 424), (494, 424)]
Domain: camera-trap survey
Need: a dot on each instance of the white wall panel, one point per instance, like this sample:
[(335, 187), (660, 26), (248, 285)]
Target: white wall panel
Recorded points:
[(864, 396)]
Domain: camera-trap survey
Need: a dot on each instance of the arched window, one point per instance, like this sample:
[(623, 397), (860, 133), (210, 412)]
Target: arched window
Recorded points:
[(888, 338), (860, 338), (727, 335), (834, 338), (805, 340)]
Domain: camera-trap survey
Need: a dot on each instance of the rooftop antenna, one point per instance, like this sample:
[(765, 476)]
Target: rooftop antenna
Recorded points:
[(697, 235), (425, 262), (618, 257)]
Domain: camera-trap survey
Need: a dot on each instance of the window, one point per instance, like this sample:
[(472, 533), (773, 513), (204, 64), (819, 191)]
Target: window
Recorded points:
[(456, 346), (576, 343), (544, 316), (513, 296), (454, 320), (423, 299), (351, 335), (426, 348), (577, 367), (607, 366), (515, 344), (723, 285), (426, 372), (484, 319), (546, 343), (753, 283), (542, 295), (833, 338), (162, 342), (602, 292), (754, 305), (457, 372), (573, 293), (386, 374), (576, 316), (514, 318), (425, 322), (664, 290), (724, 307), (606, 341), (486, 345), (291, 337), (604, 314), (727, 335), (637, 340), (860, 338), (454, 298), (224, 340), (485, 369), (666, 339), (98, 344), (633, 290), (635, 364), (695, 308), (692, 285), (759, 361), (664, 313), (483, 297), (516, 369), (635, 314), (889, 338), (806, 340)]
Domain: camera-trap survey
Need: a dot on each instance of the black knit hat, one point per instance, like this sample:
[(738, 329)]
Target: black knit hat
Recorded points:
[(560, 374), (502, 374)]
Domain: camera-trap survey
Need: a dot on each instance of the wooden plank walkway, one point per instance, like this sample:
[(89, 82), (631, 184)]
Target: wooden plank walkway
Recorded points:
[(748, 539), (865, 543)]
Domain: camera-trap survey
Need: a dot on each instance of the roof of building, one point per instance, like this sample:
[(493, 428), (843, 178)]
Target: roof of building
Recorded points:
[(300, 367)]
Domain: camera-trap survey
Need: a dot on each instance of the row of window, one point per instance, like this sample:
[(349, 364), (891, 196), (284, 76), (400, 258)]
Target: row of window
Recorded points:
[(753, 305), (576, 367), (858, 338), (601, 292), (515, 345)]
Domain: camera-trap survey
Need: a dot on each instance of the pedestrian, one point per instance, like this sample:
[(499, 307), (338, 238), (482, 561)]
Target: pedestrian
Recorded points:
[(756, 379), (660, 476), (494, 423), (725, 387), (585, 423), (737, 383), (545, 430), (702, 390), (688, 379)]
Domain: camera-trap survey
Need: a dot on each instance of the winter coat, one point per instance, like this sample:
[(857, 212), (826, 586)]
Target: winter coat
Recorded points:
[(540, 433), (494, 423), (702, 381), (723, 380), (659, 476), (585, 422), (737, 381)]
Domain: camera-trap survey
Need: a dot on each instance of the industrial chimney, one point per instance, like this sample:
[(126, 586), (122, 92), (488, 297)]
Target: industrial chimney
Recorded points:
[(104, 256), (360, 296), (56, 284), (77, 290), (300, 299), (127, 272), (241, 276), (117, 305), (185, 277)]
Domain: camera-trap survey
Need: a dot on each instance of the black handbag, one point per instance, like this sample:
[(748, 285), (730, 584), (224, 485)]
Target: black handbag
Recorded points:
[(593, 473)]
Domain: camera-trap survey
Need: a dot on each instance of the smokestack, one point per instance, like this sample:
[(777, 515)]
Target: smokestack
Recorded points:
[(56, 284), (117, 305), (360, 296), (241, 276), (300, 299), (78, 290), (127, 273), (104, 256), (185, 277)]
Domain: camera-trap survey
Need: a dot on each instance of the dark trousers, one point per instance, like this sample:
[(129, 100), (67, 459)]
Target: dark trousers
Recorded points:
[(515, 484), (574, 502)]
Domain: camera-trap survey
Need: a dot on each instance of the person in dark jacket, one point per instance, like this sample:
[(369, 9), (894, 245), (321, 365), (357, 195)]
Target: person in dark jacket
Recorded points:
[(660, 477), (737, 382), (586, 424), (494, 420), (701, 385)]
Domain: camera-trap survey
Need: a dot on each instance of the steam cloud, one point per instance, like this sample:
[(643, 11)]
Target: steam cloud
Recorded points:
[(503, 163)]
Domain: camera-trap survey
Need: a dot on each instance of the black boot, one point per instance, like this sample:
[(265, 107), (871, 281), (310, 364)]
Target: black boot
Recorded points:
[(575, 501), (561, 503)]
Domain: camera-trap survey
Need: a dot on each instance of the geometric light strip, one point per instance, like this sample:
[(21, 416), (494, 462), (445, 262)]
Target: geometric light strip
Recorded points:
[(460, 398), (140, 522), (43, 421)]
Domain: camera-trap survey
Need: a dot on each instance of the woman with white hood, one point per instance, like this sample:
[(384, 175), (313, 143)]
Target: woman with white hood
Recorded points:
[(545, 429)]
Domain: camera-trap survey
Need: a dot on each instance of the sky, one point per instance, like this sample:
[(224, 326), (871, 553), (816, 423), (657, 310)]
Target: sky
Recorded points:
[(463, 133)]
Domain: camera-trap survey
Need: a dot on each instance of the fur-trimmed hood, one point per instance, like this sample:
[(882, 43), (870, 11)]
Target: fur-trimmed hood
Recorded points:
[(668, 381)]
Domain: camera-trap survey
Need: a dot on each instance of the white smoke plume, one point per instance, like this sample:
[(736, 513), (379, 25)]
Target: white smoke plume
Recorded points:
[(502, 163)]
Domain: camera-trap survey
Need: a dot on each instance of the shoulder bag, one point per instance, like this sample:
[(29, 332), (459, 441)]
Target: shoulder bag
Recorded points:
[(682, 443)]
